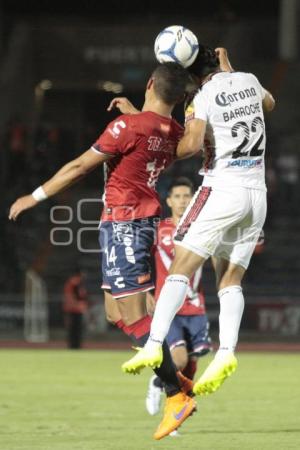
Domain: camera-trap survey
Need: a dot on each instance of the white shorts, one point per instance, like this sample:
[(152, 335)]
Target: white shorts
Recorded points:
[(223, 222)]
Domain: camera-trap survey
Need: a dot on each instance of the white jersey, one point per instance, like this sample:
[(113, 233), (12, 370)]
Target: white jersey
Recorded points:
[(234, 146)]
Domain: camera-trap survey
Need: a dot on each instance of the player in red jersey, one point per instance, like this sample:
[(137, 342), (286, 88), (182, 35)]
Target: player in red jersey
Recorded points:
[(135, 149), (188, 335)]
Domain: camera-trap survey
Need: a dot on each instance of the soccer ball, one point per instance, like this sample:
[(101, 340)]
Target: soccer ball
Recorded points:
[(176, 44)]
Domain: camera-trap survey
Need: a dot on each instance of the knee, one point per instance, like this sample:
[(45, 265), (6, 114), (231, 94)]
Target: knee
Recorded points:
[(180, 360), (110, 318), (178, 268), (226, 283), (118, 319), (185, 262), (230, 278), (127, 320), (181, 365)]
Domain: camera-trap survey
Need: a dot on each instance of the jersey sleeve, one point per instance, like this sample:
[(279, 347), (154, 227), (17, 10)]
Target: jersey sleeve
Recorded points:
[(201, 106), (117, 138)]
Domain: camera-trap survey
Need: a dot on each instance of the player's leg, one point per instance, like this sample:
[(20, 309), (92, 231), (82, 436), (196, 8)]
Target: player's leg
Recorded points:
[(175, 288), (133, 311), (236, 250), (180, 357), (229, 277), (132, 308), (180, 340), (228, 273), (127, 271), (112, 312), (195, 241), (198, 342), (185, 263), (179, 406), (198, 235), (126, 267), (176, 340), (134, 314), (191, 367), (129, 312), (154, 395), (155, 386), (174, 337), (177, 343), (178, 346)]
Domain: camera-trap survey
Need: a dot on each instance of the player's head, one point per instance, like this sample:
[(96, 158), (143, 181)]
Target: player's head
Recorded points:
[(205, 63), (180, 192), (168, 83)]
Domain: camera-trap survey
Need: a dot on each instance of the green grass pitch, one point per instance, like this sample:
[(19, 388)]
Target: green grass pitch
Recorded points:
[(63, 400)]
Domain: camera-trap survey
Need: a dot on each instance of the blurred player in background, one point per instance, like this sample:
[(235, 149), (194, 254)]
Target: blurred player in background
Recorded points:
[(188, 335), (75, 306), (227, 213), (136, 149)]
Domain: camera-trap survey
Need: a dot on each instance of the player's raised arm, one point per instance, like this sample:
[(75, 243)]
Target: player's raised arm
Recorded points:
[(222, 54), (124, 105), (192, 140), (69, 174)]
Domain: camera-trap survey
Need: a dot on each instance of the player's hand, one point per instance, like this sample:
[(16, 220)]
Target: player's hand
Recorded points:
[(222, 54), (123, 104), (21, 205)]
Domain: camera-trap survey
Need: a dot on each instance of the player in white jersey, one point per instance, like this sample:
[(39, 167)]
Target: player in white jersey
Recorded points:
[(227, 213)]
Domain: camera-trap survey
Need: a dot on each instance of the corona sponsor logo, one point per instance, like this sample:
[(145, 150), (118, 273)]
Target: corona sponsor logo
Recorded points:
[(224, 99)]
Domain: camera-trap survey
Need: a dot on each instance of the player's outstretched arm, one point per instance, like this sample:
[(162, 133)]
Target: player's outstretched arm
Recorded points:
[(124, 105), (69, 174), (222, 54), (192, 140)]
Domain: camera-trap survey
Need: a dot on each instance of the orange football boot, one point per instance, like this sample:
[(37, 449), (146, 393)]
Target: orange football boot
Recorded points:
[(177, 409)]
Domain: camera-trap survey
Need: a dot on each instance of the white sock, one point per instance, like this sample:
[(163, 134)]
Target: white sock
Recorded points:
[(170, 300), (231, 311)]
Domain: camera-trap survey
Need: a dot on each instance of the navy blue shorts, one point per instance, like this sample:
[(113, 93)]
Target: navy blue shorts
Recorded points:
[(127, 266), (192, 332)]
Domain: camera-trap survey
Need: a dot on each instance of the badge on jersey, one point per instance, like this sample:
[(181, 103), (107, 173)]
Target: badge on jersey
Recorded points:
[(189, 113)]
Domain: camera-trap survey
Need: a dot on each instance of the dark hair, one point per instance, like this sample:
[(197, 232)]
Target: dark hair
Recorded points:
[(180, 181), (170, 81), (205, 63)]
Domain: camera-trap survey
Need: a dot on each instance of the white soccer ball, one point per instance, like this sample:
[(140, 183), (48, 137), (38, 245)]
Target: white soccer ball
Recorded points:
[(176, 44)]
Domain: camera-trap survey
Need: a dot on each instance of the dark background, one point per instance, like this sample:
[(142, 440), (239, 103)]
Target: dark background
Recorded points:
[(56, 59)]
